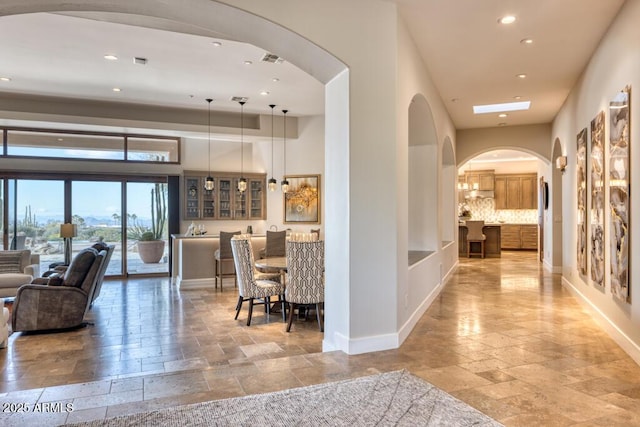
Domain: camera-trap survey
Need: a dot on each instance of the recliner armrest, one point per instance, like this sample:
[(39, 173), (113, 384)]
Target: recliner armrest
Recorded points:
[(32, 270)]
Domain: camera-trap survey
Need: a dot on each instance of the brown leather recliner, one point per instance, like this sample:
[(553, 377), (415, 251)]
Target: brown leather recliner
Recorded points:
[(63, 300)]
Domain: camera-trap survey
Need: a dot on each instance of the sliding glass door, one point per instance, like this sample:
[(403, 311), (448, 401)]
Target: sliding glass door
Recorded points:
[(32, 211)]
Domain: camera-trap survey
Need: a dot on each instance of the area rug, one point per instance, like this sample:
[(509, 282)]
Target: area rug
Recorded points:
[(390, 399)]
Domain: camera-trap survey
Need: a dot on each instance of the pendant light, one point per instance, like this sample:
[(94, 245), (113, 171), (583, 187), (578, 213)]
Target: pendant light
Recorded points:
[(272, 181), (208, 182), (285, 184), (242, 183)]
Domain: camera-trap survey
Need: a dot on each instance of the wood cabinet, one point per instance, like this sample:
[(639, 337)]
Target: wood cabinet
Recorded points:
[(519, 236), (515, 191), (224, 201), (491, 244), (483, 179)]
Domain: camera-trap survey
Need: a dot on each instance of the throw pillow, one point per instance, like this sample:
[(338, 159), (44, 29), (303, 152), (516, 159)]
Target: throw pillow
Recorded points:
[(10, 261)]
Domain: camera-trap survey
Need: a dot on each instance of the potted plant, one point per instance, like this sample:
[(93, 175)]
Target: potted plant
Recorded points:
[(150, 240)]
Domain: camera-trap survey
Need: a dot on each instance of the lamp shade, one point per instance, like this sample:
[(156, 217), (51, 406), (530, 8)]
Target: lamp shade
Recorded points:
[(68, 230)]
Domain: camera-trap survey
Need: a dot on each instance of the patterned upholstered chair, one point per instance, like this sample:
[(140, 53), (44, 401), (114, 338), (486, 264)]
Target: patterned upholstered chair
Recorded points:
[(224, 259), (253, 285), (305, 278)]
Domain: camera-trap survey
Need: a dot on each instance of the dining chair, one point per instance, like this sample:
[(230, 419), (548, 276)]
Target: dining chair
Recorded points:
[(275, 244), (253, 285), (475, 235), (305, 278), (224, 259)]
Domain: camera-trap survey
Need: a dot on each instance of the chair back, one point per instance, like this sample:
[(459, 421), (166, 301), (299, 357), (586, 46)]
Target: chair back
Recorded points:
[(103, 268), (305, 272), (474, 230), (276, 243), (225, 244), (244, 262)]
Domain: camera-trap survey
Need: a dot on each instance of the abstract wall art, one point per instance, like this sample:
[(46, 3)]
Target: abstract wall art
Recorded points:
[(581, 179), (596, 217), (302, 201), (619, 193)]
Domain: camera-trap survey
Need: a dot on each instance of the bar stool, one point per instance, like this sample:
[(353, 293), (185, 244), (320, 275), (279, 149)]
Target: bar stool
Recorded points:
[(475, 235)]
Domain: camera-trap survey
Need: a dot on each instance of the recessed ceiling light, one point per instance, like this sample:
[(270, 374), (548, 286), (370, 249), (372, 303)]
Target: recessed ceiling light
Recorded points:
[(502, 115), (248, 62), (507, 19), (526, 41), (502, 124), (455, 99), (217, 44), (517, 97), (498, 108), (111, 57), (5, 79), (264, 93), (275, 79), (521, 76), (116, 89)]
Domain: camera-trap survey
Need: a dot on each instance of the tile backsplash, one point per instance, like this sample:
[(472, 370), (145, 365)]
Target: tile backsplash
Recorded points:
[(485, 209)]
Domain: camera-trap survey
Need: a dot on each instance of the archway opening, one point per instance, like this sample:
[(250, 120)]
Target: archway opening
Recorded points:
[(423, 236)]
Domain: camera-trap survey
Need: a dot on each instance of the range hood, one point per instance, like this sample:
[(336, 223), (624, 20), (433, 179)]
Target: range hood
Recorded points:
[(479, 194)]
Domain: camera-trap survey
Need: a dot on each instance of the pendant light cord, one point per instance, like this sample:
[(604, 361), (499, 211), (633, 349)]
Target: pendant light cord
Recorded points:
[(272, 107), (209, 125)]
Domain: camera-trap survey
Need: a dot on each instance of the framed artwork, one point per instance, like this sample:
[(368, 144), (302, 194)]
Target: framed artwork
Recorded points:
[(302, 201), (596, 218), (619, 194), (581, 180)]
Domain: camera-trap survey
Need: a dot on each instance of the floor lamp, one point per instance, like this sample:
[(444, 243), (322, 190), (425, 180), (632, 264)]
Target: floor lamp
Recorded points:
[(68, 232)]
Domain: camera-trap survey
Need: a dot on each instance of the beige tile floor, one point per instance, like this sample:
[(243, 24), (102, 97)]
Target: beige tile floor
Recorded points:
[(503, 336)]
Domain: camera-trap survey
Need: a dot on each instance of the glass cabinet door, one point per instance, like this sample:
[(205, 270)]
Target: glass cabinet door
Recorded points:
[(192, 202), (255, 192), (208, 202), (224, 198), (240, 202)]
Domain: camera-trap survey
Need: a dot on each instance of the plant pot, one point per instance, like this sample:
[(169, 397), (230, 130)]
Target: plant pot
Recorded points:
[(151, 251)]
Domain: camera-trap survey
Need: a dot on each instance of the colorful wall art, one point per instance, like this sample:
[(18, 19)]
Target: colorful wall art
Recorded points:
[(619, 193), (581, 237), (596, 218)]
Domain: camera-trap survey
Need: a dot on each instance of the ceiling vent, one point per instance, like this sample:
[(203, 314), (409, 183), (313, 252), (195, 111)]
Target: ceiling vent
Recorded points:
[(239, 98), (139, 60), (270, 57)]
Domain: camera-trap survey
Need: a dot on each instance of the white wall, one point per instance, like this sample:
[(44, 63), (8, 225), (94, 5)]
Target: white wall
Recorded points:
[(615, 64)]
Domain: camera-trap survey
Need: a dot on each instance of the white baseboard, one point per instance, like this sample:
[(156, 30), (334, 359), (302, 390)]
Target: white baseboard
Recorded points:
[(622, 339), (387, 341)]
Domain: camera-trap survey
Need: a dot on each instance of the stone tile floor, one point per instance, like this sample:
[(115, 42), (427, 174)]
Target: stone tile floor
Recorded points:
[(503, 336)]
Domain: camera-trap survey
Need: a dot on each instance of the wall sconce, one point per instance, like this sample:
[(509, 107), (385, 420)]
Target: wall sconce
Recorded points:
[(561, 163)]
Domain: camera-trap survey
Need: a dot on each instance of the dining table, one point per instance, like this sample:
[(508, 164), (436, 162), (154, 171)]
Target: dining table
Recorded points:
[(272, 264)]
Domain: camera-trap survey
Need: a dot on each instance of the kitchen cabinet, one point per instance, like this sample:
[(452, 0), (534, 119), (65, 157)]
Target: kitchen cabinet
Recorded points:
[(483, 179), (224, 201), (519, 236), (491, 244), (515, 191)]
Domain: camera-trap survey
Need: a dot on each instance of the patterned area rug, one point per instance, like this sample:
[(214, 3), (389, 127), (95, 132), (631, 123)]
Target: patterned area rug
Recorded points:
[(390, 399)]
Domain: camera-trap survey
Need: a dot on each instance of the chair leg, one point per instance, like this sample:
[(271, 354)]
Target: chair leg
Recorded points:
[(238, 307), (215, 274), (320, 317), (267, 305), (250, 311), (292, 307), (283, 307)]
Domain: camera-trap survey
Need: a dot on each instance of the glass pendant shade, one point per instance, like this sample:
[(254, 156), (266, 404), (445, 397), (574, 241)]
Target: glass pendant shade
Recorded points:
[(273, 184), (242, 182), (284, 184), (242, 185), (208, 182)]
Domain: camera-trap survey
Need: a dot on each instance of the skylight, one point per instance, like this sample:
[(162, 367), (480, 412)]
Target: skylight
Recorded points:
[(496, 108)]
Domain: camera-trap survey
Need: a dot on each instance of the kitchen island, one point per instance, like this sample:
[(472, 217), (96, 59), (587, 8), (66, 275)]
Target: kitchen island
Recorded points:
[(492, 246)]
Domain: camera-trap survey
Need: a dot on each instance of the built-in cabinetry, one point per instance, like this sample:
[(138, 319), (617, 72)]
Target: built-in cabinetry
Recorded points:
[(224, 201), (519, 236), (515, 191), (482, 180), (491, 244)]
